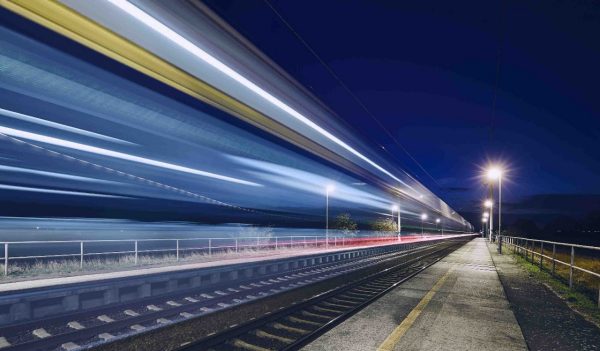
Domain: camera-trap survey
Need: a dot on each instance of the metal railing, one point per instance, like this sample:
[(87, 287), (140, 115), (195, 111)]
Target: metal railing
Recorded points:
[(82, 249), (527, 248)]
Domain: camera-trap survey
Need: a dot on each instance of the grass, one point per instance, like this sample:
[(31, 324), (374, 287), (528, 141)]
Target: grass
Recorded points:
[(584, 295), (19, 271)]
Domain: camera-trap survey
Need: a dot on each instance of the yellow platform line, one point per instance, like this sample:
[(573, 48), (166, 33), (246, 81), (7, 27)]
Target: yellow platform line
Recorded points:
[(392, 340)]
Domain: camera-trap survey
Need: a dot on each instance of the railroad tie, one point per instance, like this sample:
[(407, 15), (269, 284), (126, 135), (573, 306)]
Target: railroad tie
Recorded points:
[(3, 342), (310, 314), (191, 299), (106, 336), (131, 313), (330, 310), (41, 333), (263, 334), (173, 303), (106, 319), (153, 308), (70, 346), (163, 321), (247, 346), (290, 329), (186, 315), (303, 321), (137, 327), (75, 325)]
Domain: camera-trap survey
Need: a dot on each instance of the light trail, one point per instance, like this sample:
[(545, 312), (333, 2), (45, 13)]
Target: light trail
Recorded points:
[(176, 38), (31, 119), (59, 192), (105, 152), (55, 175)]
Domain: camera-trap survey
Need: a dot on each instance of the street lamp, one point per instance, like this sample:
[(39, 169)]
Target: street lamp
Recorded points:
[(329, 189), (423, 218), (437, 221), (483, 221), (397, 208), (489, 204), (495, 173)]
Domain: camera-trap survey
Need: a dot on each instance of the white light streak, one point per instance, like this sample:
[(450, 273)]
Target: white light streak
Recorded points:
[(59, 192), (55, 175), (120, 155), (176, 38), (55, 125)]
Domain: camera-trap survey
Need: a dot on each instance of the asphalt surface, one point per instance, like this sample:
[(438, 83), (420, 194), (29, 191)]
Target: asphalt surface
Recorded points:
[(456, 304), (546, 320)]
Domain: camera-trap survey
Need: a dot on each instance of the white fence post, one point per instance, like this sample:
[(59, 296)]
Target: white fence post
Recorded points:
[(6, 259), (177, 249), (81, 255), (571, 267), (236, 245), (209, 247), (136, 252)]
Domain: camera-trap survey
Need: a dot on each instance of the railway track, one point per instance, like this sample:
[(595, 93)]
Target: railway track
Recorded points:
[(296, 326), (85, 330)]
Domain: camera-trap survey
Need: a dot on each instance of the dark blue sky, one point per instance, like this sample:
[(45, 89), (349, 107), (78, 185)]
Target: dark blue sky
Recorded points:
[(427, 71)]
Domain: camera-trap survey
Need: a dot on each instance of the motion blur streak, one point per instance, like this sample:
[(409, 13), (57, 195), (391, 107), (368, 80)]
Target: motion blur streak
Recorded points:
[(201, 54), (55, 191), (43, 122), (116, 154), (55, 174)]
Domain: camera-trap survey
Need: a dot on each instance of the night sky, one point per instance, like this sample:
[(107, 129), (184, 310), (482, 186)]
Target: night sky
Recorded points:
[(427, 71)]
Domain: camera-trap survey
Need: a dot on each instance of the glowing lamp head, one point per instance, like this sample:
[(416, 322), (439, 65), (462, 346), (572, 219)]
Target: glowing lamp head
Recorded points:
[(494, 173), (424, 216), (484, 220), (486, 214), (437, 220), (330, 188), (394, 207), (487, 203)]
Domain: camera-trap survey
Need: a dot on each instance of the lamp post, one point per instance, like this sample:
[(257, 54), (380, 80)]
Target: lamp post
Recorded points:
[(483, 223), (328, 190), (437, 221), (397, 208), (490, 204), (495, 173), (423, 218)]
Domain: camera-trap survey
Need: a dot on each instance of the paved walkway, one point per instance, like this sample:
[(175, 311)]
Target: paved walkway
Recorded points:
[(456, 304)]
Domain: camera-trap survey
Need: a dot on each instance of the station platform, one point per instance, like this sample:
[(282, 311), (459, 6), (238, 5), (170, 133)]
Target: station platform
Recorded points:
[(456, 304)]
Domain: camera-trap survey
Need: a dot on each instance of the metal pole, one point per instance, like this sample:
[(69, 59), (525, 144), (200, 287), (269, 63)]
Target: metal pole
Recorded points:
[(327, 218), (500, 205), (136, 253), (81, 254), (177, 249), (304, 242), (541, 255), (275, 243), (492, 214), (553, 258), (399, 226), (209, 247), (236, 245), (571, 267), (6, 259)]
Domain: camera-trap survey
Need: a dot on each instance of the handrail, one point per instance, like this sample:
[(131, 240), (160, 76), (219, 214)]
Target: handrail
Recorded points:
[(234, 244), (520, 246)]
